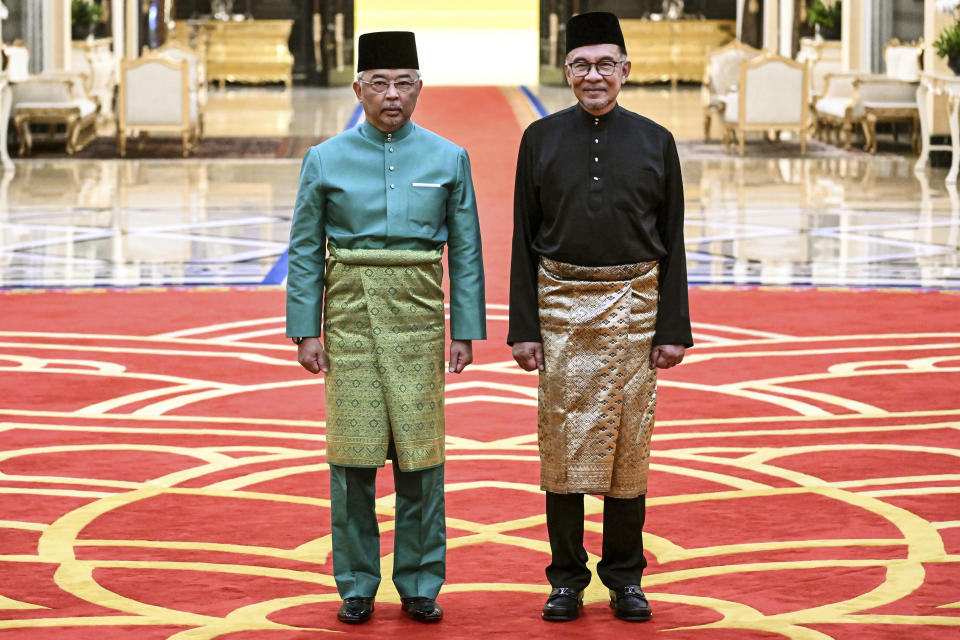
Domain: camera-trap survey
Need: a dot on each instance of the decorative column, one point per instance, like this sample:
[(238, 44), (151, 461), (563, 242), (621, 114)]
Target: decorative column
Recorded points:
[(60, 35)]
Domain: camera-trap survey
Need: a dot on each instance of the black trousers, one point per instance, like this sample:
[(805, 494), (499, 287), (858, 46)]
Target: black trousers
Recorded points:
[(622, 561)]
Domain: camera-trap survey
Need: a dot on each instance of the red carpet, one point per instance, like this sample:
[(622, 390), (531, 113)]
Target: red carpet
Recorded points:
[(162, 464), (162, 473)]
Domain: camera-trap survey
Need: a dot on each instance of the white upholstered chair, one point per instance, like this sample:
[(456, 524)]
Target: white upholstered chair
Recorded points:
[(53, 99), (48, 100), (863, 99), (176, 51), (17, 60), (154, 96), (823, 57), (96, 61), (772, 95), (720, 77)]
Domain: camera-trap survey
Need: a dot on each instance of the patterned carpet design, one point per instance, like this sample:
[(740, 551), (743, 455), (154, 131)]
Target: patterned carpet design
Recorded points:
[(162, 474)]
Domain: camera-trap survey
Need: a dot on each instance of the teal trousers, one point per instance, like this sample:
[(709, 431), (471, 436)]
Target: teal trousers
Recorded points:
[(420, 534)]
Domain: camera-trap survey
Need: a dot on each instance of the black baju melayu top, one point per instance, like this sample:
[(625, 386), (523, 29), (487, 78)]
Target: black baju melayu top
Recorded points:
[(599, 191)]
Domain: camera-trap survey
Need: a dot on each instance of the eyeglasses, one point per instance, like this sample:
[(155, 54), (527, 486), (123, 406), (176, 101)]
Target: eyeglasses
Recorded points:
[(581, 68), (381, 86)]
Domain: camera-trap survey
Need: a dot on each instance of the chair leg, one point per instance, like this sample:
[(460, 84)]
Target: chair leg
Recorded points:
[(23, 133), (186, 143), (915, 135), (847, 135), (869, 134), (72, 135), (743, 138), (706, 126)]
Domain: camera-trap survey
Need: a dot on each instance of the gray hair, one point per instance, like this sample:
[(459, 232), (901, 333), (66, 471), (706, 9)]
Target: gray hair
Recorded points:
[(360, 75)]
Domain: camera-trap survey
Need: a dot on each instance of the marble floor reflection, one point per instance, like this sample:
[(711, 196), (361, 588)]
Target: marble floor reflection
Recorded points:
[(850, 220)]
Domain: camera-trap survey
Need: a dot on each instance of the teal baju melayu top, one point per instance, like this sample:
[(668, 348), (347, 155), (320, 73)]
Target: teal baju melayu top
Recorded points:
[(365, 189)]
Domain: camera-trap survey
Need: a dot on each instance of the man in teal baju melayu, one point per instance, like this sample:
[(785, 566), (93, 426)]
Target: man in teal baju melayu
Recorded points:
[(375, 207)]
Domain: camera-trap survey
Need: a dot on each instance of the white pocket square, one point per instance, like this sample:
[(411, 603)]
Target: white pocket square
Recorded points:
[(427, 184)]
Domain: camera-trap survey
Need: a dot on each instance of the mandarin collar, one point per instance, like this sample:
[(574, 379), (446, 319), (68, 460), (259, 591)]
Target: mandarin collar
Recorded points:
[(373, 134), (591, 119)]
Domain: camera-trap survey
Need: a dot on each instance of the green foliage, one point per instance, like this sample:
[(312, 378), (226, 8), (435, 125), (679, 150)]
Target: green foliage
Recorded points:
[(947, 43), (85, 12), (825, 14)]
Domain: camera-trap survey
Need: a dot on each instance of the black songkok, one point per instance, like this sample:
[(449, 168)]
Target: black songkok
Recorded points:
[(387, 50), (597, 27)]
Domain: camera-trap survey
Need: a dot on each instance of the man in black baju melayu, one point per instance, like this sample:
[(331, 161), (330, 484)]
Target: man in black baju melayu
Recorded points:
[(598, 302)]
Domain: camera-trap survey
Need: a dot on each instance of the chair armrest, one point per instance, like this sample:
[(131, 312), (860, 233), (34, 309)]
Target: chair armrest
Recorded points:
[(839, 85), (77, 81), (883, 89)]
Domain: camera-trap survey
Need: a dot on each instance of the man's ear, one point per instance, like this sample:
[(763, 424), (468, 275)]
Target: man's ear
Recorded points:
[(356, 90)]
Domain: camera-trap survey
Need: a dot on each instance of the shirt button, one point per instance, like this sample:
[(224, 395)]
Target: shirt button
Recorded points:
[(595, 159), (391, 168), (595, 178), (596, 140), (391, 149), (393, 186), (389, 137)]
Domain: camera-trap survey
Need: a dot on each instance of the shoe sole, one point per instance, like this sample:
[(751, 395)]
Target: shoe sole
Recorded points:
[(641, 618), (634, 618), (425, 620), (353, 620), (556, 618)]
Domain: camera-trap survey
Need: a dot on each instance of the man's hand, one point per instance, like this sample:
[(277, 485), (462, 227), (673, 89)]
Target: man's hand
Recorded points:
[(529, 355), (665, 356), (311, 356), (461, 354)]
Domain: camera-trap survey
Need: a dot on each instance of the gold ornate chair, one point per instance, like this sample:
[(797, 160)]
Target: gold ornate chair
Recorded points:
[(721, 75), (772, 95), (854, 99), (154, 96)]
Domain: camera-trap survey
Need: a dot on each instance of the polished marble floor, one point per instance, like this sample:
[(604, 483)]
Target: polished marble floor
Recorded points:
[(828, 219)]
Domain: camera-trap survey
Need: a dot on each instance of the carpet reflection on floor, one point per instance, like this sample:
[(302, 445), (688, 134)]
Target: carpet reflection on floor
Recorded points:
[(105, 148)]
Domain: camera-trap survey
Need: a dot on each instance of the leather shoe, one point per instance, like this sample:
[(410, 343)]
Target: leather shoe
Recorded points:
[(629, 603), (563, 605), (355, 610), (422, 609)]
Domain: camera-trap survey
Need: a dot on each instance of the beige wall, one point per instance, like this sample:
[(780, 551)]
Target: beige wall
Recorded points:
[(132, 32), (853, 35), (60, 42), (771, 27), (933, 22)]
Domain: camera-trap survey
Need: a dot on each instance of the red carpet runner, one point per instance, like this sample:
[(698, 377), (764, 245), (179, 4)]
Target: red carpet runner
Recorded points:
[(162, 475)]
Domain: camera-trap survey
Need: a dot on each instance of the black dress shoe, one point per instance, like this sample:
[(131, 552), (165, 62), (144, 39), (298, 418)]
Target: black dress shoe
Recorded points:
[(629, 603), (422, 609), (355, 610), (563, 605)]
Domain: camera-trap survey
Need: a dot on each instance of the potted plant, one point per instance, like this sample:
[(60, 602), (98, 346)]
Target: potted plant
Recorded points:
[(824, 16), (84, 17), (947, 46)]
